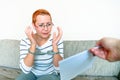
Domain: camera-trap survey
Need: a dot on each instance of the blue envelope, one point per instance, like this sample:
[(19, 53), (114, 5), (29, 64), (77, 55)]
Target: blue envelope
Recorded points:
[(75, 65)]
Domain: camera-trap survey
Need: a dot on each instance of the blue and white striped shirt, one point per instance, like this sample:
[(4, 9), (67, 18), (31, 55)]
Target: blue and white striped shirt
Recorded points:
[(43, 63)]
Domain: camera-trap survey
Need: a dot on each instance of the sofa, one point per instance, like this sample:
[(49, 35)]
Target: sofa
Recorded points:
[(100, 69)]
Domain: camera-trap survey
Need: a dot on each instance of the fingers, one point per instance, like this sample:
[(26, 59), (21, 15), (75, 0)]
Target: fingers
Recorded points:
[(100, 43), (59, 33), (57, 37), (109, 50), (28, 31), (98, 52), (30, 34), (54, 36), (105, 42)]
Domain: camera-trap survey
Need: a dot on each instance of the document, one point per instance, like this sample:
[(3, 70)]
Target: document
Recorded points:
[(75, 65)]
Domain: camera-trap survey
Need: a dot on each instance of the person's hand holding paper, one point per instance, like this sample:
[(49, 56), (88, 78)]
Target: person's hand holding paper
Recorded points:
[(75, 65)]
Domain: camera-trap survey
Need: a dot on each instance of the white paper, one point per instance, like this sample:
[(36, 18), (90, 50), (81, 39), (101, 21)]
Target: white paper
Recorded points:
[(75, 65)]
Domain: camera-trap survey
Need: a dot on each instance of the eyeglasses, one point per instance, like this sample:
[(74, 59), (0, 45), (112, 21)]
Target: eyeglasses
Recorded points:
[(48, 25)]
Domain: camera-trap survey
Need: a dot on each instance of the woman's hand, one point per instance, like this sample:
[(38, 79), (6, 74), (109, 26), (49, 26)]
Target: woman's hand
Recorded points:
[(30, 35), (56, 38), (29, 59)]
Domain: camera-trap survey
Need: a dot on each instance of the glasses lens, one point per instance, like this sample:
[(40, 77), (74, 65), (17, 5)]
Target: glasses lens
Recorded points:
[(47, 25)]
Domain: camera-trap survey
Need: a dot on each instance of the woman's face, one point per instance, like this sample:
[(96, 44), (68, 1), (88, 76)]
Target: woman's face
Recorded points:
[(43, 26)]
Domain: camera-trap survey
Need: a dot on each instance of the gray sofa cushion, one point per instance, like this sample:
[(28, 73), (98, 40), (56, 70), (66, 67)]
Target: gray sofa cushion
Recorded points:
[(9, 51), (7, 73), (95, 78)]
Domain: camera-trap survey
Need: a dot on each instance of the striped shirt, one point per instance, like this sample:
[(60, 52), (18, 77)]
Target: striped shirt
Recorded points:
[(43, 63)]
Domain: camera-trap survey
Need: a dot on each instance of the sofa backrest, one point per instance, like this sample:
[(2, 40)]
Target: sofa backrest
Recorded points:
[(9, 51)]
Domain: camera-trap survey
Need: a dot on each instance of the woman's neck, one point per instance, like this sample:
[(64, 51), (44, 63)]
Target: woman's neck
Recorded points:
[(40, 41)]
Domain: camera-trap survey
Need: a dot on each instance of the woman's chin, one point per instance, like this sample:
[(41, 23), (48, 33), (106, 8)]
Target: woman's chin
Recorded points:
[(46, 36)]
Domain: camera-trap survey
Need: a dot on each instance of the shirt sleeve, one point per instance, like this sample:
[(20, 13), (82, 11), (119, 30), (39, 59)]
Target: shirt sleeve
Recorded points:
[(24, 45)]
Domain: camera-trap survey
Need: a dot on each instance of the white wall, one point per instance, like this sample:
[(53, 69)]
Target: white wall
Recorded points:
[(79, 19)]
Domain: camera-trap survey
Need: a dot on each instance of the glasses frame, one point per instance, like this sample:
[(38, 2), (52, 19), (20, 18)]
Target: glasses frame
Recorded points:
[(48, 25)]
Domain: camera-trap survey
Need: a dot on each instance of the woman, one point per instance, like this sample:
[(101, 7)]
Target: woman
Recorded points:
[(41, 52)]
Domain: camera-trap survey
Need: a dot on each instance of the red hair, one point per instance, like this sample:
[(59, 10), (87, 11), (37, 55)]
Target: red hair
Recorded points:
[(39, 12)]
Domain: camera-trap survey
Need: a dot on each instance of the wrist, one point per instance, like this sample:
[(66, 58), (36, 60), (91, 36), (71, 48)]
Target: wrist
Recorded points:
[(54, 44), (33, 45), (31, 52), (55, 49), (55, 52), (32, 49)]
